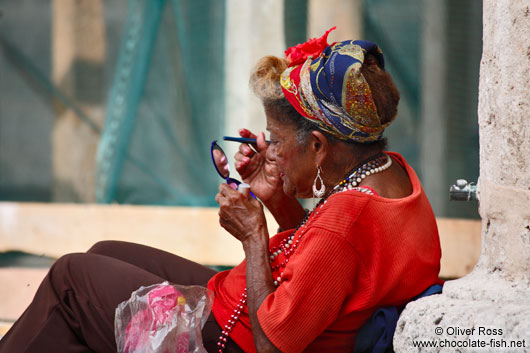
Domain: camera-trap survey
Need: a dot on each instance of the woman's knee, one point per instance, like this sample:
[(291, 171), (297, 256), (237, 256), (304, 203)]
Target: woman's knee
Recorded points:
[(105, 247), (64, 266)]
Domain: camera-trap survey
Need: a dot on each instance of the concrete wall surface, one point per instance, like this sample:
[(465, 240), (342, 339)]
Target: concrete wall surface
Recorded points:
[(491, 305)]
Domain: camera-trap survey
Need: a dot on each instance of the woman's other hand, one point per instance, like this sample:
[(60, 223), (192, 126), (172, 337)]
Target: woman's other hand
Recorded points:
[(260, 173), (241, 216)]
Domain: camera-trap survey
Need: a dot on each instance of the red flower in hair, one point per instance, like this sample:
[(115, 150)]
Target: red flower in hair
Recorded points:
[(313, 47)]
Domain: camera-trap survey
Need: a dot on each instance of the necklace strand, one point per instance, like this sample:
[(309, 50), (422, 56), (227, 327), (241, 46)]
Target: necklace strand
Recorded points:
[(288, 246)]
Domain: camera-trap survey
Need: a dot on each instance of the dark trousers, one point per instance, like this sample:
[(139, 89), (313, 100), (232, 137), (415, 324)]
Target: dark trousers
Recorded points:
[(73, 309)]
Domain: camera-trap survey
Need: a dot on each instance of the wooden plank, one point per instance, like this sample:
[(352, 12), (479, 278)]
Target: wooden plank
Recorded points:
[(56, 229), (460, 241), (17, 288)]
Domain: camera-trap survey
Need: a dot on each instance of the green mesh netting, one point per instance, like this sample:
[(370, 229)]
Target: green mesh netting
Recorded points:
[(463, 60), (165, 106), (396, 27), (26, 112), (162, 84), (295, 21)]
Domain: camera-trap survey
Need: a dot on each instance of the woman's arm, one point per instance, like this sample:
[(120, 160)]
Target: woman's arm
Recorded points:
[(243, 217), (259, 286)]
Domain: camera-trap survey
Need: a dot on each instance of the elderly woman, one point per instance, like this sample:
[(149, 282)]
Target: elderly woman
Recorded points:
[(370, 242)]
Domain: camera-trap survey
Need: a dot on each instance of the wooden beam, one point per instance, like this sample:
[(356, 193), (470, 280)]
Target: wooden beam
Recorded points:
[(194, 233), (460, 240), (56, 229)]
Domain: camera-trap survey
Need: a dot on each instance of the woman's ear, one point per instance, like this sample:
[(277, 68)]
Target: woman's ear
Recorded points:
[(319, 145)]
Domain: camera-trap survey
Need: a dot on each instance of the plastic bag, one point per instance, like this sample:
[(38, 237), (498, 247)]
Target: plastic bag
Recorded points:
[(163, 318)]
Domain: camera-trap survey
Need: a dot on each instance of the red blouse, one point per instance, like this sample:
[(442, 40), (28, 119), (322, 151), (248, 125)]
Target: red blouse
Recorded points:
[(359, 253)]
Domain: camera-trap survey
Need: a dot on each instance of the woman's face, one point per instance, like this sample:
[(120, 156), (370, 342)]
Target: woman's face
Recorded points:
[(296, 163)]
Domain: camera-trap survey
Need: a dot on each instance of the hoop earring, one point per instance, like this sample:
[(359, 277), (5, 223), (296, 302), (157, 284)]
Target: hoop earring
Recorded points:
[(318, 193)]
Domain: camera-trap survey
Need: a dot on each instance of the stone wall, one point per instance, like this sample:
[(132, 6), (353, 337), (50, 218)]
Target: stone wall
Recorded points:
[(496, 294)]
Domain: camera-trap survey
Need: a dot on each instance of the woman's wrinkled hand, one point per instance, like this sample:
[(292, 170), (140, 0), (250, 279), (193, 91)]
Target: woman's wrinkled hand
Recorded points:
[(255, 169), (240, 215)]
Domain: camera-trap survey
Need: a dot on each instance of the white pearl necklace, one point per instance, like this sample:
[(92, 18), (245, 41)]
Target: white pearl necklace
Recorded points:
[(367, 169)]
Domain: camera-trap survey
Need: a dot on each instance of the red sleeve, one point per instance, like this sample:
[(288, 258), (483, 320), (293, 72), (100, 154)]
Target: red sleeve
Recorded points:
[(318, 281)]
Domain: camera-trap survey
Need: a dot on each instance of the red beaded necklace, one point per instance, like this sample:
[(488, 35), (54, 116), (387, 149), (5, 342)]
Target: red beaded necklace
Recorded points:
[(289, 244)]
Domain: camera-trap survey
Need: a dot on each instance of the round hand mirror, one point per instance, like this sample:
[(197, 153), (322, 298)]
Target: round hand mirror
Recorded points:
[(220, 161)]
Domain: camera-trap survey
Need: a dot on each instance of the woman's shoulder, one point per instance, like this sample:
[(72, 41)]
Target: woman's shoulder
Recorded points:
[(340, 211), (411, 173), (398, 184), (345, 210)]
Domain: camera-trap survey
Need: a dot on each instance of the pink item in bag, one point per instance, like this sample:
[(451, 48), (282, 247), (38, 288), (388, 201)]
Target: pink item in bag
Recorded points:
[(161, 320)]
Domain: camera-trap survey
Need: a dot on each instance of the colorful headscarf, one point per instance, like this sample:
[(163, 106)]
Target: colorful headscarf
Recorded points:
[(324, 84)]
